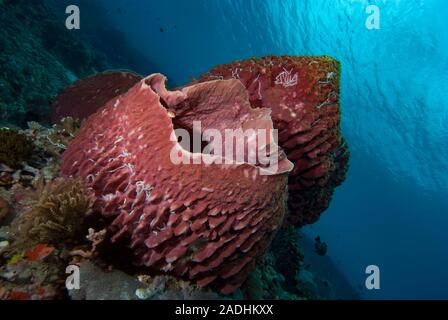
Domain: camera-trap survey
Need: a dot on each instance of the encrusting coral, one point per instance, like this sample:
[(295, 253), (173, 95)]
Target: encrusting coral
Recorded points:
[(64, 132), (14, 147), (57, 216), (53, 141)]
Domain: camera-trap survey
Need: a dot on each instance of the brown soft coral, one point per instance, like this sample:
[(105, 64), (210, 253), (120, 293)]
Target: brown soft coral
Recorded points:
[(58, 214), (14, 147), (4, 208)]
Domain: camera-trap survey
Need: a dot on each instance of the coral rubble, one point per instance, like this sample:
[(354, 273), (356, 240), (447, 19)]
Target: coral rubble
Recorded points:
[(100, 284)]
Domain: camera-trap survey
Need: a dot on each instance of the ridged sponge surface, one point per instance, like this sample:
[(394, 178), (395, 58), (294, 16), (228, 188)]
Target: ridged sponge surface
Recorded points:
[(303, 94), (204, 222)]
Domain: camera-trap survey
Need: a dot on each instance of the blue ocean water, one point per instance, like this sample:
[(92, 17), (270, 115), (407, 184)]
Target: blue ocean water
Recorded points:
[(392, 209)]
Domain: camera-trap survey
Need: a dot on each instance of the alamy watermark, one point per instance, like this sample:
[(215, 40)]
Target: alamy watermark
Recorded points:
[(373, 21), (373, 278), (257, 147), (72, 282), (73, 21)]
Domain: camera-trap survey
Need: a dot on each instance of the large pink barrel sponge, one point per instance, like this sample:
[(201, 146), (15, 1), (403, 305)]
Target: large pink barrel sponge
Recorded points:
[(207, 223), (85, 96), (303, 94)]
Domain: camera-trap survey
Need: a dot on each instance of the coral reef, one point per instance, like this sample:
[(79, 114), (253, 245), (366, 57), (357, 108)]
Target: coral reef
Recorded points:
[(306, 283), (40, 146), (303, 94), (48, 221), (38, 58), (280, 274), (57, 216), (29, 269), (14, 147), (287, 256), (35, 273), (266, 283), (202, 228), (63, 132), (53, 141), (205, 223)]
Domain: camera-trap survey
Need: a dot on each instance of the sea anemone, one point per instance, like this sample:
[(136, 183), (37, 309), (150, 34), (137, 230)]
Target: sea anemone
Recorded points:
[(56, 216)]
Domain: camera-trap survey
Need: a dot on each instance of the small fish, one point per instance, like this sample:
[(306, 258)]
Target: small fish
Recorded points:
[(161, 29), (325, 283), (320, 247), (119, 10)]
